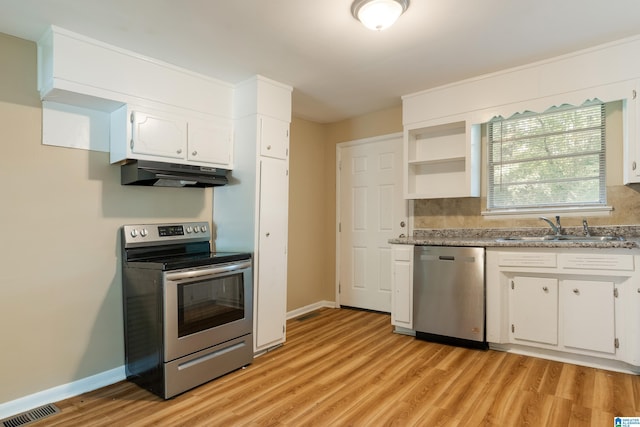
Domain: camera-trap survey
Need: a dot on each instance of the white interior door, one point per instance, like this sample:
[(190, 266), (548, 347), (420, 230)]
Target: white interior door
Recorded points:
[(371, 210)]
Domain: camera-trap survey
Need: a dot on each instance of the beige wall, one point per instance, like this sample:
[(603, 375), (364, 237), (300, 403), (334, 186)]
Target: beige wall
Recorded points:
[(312, 200), (61, 209), (307, 259)]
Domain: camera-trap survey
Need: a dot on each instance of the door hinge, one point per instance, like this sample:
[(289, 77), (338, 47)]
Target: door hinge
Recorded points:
[(339, 288), (340, 165), (283, 329), (634, 94), (616, 343), (615, 292), (512, 285), (513, 328), (339, 227)]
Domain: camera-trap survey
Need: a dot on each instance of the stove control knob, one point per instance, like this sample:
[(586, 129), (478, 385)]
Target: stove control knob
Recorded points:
[(189, 230), (134, 233), (203, 228), (144, 232), (196, 229)]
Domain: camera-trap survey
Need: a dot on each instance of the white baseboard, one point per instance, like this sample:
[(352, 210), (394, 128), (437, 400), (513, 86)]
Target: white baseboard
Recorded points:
[(309, 308), (62, 392)]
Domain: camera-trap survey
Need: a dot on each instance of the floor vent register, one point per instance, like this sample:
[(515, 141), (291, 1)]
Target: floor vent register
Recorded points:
[(30, 416)]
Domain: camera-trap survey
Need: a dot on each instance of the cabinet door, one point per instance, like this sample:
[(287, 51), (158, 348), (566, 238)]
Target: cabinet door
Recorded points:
[(271, 286), (210, 142), (588, 315), (402, 287), (157, 134), (274, 138), (533, 309)]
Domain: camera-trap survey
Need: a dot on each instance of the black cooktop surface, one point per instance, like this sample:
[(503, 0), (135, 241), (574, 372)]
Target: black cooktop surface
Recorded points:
[(176, 262)]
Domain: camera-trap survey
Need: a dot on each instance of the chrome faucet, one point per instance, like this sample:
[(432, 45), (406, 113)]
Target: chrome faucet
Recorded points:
[(557, 227), (585, 227)]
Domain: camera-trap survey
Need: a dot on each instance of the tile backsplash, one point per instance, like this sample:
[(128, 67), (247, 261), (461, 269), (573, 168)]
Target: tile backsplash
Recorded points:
[(466, 212)]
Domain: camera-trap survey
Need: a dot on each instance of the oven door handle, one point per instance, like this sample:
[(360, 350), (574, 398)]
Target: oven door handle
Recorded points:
[(208, 272)]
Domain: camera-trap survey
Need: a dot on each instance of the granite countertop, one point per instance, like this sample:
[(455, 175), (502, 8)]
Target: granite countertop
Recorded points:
[(491, 237)]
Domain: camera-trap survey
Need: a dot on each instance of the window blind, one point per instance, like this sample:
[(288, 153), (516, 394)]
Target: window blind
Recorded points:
[(550, 159)]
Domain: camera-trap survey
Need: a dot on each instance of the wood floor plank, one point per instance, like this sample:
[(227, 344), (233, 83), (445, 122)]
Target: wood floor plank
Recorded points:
[(347, 367)]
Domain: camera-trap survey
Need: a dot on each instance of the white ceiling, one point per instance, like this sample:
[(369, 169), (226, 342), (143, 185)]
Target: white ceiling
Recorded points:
[(338, 68)]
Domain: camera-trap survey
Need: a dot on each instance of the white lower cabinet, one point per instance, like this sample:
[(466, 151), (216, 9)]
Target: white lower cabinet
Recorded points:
[(578, 305), (588, 315), (271, 257), (533, 309), (402, 286)]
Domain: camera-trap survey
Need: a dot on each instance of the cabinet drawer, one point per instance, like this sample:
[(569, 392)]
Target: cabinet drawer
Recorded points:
[(402, 254), (596, 262), (527, 259)]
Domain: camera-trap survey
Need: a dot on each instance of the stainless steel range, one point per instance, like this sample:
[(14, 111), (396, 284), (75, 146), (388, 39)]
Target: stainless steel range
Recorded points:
[(188, 312)]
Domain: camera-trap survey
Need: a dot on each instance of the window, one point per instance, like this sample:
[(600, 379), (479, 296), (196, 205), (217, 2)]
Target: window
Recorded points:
[(554, 159)]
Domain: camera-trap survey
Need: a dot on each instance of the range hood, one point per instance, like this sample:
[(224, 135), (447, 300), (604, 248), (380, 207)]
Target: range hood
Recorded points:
[(160, 174)]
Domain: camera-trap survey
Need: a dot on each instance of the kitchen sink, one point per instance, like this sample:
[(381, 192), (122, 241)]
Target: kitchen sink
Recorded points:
[(563, 237)]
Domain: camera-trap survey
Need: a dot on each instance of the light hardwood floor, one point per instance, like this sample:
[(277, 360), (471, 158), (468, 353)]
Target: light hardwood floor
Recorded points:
[(344, 367)]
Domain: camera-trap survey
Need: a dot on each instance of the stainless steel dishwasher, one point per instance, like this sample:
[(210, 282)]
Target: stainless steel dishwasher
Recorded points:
[(449, 295)]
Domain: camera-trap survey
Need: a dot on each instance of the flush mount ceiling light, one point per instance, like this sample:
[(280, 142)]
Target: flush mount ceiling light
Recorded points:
[(378, 14)]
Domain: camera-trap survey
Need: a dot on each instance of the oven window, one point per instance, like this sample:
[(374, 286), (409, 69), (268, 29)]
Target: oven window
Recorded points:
[(210, 303)]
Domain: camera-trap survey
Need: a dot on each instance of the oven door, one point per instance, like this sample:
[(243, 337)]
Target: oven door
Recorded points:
[(206, 306)]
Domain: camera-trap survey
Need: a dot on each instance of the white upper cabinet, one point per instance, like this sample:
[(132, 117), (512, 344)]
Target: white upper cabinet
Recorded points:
[(274, 138), (156, 111), (149, 134), (210, 141), (156, 135)]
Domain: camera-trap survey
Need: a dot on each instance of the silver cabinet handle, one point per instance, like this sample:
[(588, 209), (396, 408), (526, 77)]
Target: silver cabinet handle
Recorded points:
[(195, 153), (268, 147), (207, 272), (633, 165), (268, 234), (402, 224), (576, 291), (179, 151), (546, 289)]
